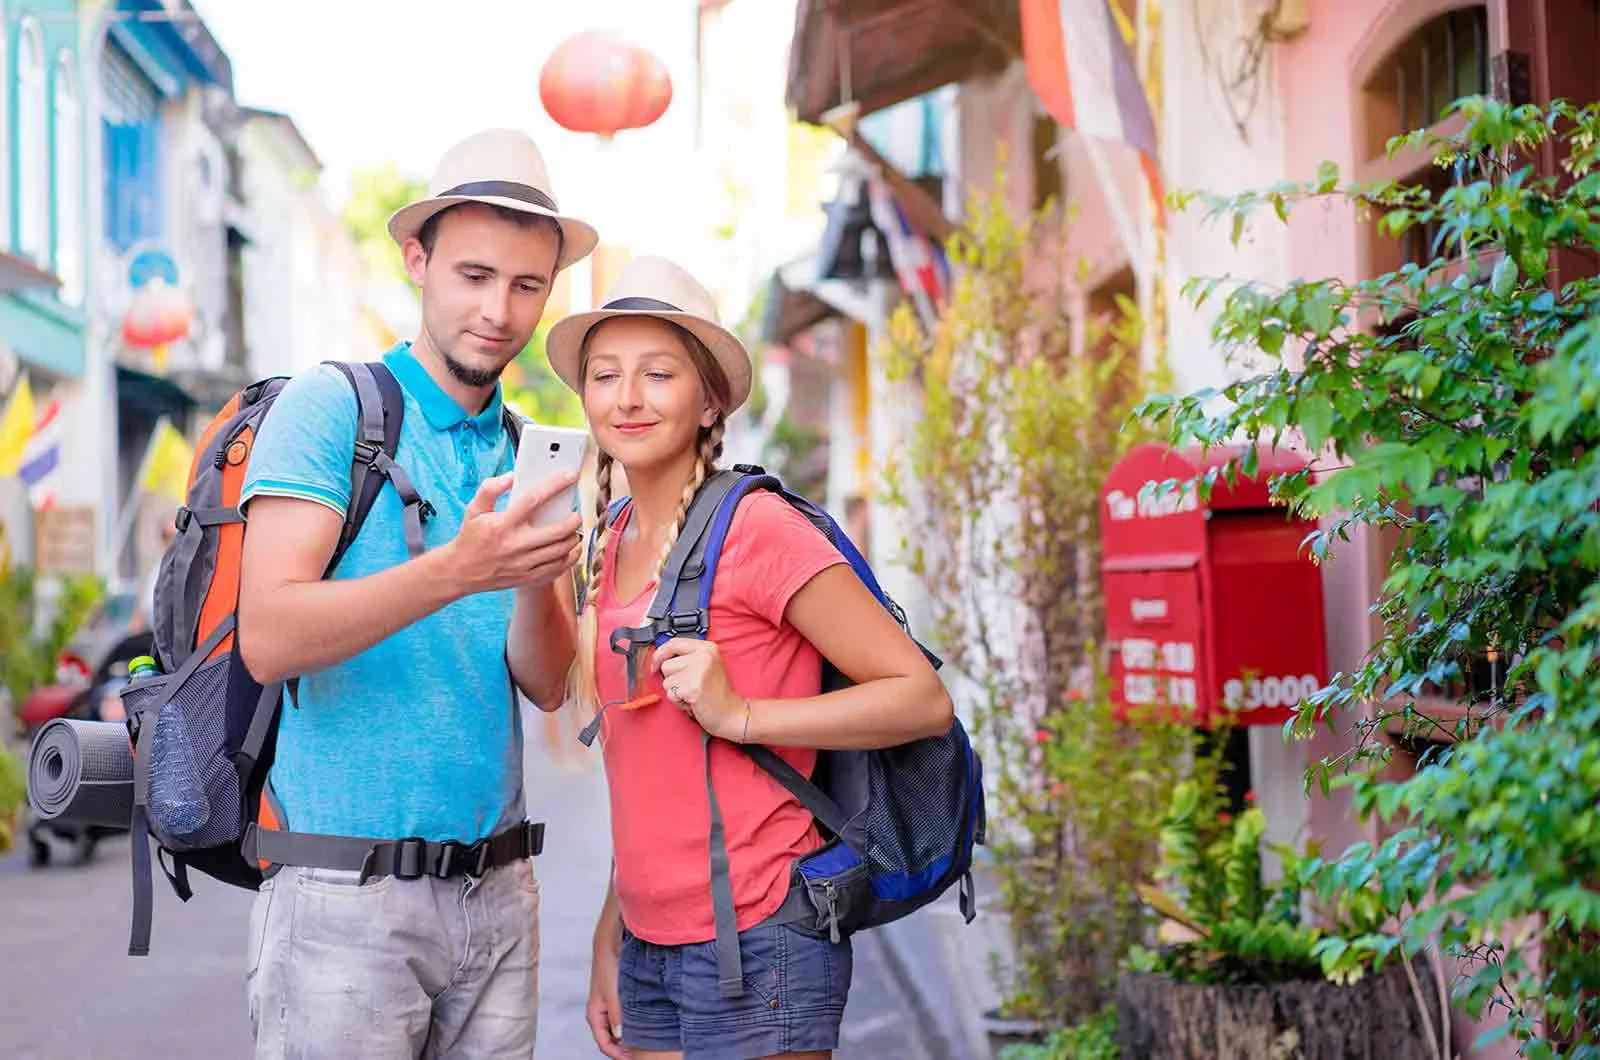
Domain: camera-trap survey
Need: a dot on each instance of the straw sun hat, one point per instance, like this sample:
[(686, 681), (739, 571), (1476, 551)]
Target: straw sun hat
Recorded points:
[(499, 167), (655, 287)]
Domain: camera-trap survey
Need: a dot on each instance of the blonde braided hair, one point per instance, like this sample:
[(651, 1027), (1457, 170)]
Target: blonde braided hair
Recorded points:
[(581, 683), (710, 452), (581, 686)]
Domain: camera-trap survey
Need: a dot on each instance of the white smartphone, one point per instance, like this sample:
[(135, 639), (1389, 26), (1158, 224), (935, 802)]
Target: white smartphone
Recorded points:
[(545, 452)]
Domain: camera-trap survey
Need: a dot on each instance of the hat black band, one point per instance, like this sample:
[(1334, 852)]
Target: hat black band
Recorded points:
[(653, 304), (504, 189)]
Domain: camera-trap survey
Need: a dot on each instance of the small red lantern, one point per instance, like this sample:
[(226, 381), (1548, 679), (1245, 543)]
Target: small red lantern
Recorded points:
[(596, 82), (158, 315)]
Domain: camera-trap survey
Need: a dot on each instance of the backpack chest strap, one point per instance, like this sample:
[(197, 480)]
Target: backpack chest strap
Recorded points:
[(681, 606)]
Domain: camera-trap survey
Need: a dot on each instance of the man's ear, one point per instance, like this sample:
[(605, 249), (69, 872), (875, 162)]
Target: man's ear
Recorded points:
[(416, 259)]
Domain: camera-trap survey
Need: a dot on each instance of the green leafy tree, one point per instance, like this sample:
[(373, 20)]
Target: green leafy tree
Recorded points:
[(533, 388), (375, 194), (1000, 475), (1453, 406)]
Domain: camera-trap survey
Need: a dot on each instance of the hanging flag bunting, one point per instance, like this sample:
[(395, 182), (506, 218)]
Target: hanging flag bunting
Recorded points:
[(41, 459), (919, 262), (1079, 66)]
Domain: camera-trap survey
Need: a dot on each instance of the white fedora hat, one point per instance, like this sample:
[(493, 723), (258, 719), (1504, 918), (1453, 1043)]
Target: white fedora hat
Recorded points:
[(654, 287), (498, 167)]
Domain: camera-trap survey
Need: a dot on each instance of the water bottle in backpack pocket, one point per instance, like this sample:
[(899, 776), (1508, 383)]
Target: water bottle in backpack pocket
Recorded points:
[(191, 791), (177, 792)]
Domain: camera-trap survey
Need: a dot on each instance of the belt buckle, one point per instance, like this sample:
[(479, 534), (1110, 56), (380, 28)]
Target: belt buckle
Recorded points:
[(449, 852), (410, 855), (533, 832), (479, 852)]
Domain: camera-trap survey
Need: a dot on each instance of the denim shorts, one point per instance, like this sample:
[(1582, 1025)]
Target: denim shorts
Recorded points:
[(795, 987)]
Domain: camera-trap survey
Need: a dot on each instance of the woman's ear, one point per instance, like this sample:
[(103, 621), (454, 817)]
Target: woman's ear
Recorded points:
[(708, 418)]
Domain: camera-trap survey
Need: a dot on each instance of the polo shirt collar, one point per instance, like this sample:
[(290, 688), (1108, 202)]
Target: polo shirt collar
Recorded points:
[(439, 408)]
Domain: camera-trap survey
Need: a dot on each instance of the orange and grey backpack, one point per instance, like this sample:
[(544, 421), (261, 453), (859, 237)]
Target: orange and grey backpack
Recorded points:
[(204, 731)]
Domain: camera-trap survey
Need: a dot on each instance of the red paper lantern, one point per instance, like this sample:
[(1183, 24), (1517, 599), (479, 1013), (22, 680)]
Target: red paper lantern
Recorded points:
[(596, 82), (159, 314)]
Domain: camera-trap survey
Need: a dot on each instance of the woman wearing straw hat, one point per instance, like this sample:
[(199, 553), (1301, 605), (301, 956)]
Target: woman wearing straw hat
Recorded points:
[(659, 376)]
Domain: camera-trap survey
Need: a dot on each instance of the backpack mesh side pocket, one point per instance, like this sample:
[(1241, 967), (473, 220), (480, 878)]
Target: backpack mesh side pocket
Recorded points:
[(915, 810), (193, 779)]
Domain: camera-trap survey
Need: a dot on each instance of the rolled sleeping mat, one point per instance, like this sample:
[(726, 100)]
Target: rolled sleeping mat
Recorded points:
[(81, 772)]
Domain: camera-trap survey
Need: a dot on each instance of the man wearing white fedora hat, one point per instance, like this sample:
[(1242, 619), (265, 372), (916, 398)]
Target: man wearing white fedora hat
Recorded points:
[(401, 915)]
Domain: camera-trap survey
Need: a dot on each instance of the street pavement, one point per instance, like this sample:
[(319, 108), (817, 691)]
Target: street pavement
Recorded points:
[(68, 990)]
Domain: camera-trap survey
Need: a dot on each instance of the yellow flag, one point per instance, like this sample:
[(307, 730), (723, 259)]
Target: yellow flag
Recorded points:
[(166, 466), (16, 427)]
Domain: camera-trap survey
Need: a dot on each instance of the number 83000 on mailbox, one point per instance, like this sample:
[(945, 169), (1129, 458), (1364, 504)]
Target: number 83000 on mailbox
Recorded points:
[(1213, 606)]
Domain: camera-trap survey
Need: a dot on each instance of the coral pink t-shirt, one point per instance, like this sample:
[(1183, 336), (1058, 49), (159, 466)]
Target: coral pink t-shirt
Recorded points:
[(660, 816)]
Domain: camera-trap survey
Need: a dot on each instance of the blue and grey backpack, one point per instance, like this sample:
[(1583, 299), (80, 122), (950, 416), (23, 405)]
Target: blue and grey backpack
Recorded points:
[(900, 823)]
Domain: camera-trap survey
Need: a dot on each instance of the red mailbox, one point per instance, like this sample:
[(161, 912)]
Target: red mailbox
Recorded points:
[(1214, 606)]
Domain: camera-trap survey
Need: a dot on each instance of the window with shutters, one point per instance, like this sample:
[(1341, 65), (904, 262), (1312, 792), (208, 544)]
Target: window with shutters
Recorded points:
[(1412, 87), (69, 180), (5, 137), (130, 146), (33, 145), (1444, 60)]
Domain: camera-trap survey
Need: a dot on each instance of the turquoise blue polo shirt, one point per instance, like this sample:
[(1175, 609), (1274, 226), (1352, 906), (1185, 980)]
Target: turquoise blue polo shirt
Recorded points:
[(420, 734)]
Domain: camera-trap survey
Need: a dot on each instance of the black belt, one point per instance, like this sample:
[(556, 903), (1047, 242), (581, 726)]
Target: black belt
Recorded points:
[(406, 859)]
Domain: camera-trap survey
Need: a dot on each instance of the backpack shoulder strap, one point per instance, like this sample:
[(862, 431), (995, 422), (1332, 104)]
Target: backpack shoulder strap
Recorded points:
[(513, 423), (681, 604), (380, 412), (691, 566)]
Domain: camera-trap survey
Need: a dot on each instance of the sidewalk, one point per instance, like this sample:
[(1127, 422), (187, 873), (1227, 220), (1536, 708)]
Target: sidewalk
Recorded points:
[(945, 965)]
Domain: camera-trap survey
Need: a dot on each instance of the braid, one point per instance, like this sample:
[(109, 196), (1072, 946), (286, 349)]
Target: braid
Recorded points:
[(581, 685), (710, 453), (602, 502)]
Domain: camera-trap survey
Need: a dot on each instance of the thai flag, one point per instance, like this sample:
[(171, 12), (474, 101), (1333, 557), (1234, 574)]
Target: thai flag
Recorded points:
[(42, 458), (1078, 65), (919, 262)]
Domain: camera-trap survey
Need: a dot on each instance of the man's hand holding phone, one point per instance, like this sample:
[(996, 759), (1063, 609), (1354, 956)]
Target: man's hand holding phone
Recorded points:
[(509, 549)]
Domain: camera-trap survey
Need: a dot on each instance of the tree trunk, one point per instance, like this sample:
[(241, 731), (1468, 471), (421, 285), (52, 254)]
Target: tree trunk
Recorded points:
[(1159, 1018)]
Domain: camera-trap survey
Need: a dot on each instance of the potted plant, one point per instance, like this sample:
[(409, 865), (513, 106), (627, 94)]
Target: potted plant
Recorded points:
[(1252, 970), (30, 650)]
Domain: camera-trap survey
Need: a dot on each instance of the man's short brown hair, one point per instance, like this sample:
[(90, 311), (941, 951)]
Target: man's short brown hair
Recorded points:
[(429, 232)]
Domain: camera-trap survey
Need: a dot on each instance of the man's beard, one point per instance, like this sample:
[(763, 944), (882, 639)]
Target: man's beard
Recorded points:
[(477, 378)]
